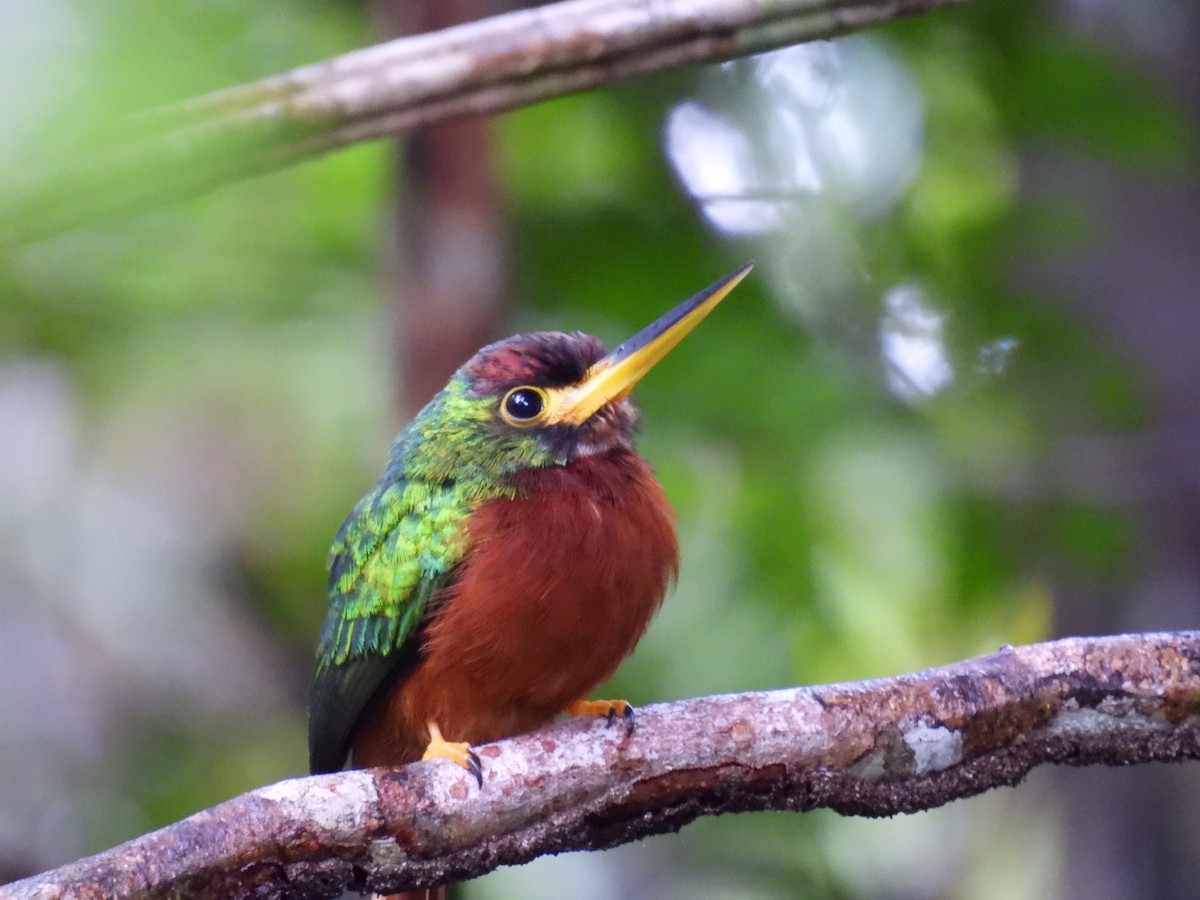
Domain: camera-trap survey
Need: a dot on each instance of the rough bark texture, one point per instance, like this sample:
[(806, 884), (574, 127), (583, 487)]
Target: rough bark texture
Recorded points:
[(871, 748), (495, 64)]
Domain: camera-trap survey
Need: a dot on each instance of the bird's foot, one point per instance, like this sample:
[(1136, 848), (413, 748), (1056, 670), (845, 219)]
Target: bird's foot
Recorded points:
[(459, 753), (609, 709)]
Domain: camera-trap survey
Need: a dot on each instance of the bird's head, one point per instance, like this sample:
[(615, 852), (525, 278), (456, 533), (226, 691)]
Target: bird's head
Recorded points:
[(543, 398)]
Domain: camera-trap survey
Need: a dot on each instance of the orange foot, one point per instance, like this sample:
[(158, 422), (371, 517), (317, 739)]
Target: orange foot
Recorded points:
[(462, 754), (610, 709)]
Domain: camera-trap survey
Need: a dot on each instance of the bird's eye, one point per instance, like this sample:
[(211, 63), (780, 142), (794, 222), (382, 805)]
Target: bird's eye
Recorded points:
[(523, 405)]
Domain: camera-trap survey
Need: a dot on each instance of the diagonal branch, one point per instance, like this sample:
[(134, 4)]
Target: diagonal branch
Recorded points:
[(870, 748), (483, 67)]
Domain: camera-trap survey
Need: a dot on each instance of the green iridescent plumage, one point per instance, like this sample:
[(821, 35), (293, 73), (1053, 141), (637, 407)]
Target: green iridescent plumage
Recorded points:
[(400, 546)]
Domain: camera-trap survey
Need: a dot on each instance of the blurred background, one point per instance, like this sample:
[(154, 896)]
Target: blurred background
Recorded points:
[(956, 406)]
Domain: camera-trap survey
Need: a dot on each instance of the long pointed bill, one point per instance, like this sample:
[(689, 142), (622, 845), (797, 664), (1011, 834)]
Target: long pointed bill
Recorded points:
[(615, 375)]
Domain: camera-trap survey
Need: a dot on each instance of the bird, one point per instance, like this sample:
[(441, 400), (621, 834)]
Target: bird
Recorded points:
[(508, 559)]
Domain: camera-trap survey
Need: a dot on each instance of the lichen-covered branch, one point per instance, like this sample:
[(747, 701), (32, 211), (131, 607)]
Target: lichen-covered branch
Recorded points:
[(870, 748), (495, 64)]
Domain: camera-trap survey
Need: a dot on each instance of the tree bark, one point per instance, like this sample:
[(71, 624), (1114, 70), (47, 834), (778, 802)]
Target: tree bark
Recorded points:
[(496, 64), (448, 242), (872, 748)]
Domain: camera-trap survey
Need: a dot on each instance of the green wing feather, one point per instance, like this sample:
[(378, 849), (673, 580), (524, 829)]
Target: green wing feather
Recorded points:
[(391, 557)]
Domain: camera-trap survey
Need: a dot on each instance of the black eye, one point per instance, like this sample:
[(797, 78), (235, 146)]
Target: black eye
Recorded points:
[(524, 404)]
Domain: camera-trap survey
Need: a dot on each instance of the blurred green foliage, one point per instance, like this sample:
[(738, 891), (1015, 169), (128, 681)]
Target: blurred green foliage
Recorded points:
[(230, 366)]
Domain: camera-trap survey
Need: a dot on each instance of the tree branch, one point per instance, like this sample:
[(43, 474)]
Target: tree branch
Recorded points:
[(483, 67), (870, 748)]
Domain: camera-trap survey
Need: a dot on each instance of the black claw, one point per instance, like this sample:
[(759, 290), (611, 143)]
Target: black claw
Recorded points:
[(628, 714), (475, 767), (612, 716)]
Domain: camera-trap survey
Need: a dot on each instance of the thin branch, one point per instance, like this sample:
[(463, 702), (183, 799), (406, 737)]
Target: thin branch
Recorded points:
[(871, 748), (483, 67)]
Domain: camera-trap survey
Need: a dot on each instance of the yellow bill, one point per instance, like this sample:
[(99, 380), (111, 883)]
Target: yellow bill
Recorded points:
[(614, 376)]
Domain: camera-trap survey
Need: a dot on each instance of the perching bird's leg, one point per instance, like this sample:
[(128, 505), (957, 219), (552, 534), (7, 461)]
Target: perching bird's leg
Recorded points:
[(462, 754), (610, 709)]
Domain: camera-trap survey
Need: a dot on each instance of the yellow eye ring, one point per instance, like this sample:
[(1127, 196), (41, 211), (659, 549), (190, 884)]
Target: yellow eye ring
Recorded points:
[(524, 406)]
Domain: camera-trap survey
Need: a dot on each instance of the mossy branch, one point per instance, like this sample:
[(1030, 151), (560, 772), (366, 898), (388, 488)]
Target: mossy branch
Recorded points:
[(869, 748), (495, 64)]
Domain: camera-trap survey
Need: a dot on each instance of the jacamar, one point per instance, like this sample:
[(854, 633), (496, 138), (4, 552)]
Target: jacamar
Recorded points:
[(509, 558)]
